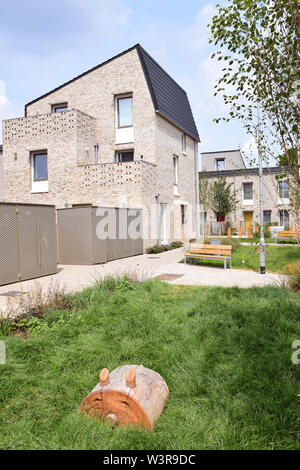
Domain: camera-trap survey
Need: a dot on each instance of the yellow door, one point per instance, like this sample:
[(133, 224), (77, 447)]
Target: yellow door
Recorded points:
[(248, 217)]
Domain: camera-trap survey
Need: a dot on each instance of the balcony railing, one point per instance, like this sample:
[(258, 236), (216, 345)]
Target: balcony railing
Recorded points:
[(39, 128)]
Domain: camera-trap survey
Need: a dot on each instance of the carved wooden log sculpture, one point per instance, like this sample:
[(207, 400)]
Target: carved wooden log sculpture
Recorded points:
[(129, 395)]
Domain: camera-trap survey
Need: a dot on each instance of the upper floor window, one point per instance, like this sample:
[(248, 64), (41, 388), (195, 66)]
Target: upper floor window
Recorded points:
[(283, 190), (59, 108), (122, 157), (40, 166), (220, 164), (124, 110), (248, 191), (183, 143), (175, 170), (175, 175)]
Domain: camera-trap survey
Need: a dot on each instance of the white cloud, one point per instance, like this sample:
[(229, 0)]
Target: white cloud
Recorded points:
[(195, 38), (249, 151), (5, 106)]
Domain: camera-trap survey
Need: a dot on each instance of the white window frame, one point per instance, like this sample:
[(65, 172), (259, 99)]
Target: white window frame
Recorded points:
[(183, 143), (124, 134), (41, 185), (247, 202), (219, 160), (283, 200), (175, 175)]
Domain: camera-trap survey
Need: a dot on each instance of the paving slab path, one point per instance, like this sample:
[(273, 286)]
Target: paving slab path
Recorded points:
[(165, 265)]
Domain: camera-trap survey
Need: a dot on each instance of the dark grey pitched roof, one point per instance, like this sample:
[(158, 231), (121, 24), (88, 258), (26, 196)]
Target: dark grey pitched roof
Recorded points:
[(168, 98)]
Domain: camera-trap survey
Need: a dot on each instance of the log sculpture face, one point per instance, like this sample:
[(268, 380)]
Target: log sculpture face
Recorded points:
[(129, 395)]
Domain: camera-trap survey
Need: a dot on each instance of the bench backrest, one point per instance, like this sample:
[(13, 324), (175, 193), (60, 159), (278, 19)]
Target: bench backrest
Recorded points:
[(287, 234), (210, 249)]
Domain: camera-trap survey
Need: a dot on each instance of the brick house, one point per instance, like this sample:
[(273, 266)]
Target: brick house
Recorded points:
[(245, 181), (119, 135)]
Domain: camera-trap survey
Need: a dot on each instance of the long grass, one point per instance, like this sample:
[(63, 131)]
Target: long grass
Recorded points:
[(224, 353)]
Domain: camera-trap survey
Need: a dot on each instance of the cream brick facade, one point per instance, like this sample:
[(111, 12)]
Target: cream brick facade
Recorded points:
[(69, 138), (238, 177)]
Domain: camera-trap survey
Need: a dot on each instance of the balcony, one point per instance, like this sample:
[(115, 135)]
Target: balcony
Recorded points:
[(72, 124), (135, 174)]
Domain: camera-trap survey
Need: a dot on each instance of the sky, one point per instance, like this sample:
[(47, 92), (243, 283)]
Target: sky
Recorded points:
[(46, 43)]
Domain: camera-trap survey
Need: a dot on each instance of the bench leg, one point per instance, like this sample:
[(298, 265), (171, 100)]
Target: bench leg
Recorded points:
[(230, 264), (225, 263), (185, 260)]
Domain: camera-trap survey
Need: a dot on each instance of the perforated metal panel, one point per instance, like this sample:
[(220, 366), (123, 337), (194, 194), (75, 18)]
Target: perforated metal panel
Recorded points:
[(27, 242), (47, 236), (74, 235), (81, 240), (8, 244), (99, 234)]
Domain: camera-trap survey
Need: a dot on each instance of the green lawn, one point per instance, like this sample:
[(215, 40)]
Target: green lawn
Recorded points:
[(224, 353), (247, 257)]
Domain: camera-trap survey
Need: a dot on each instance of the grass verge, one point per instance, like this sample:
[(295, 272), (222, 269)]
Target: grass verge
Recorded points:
[(225, 354), (247, 257)]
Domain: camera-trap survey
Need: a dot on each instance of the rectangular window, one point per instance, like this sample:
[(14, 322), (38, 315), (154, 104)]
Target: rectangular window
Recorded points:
[(175, 175), (125, 114), (183, 143), (220, 164), (267, 217), (284, 219), (175, 170), (40, 166), (59, 108), (283, 190), (182, 214), (248, 191), (122, 157)]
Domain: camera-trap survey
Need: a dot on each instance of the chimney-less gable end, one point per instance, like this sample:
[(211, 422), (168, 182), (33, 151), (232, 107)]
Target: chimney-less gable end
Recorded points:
[(168, 98)]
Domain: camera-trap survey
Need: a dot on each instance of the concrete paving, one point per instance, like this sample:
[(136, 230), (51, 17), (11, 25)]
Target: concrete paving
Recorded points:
[(75, 278)]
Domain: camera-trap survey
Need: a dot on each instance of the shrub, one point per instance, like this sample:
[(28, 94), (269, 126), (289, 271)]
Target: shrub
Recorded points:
[(161, 248), (5, 325), (291, 279), (176, 244), (153, 250)]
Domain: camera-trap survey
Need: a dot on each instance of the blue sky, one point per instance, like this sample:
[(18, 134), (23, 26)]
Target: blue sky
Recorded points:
[(45, 43)]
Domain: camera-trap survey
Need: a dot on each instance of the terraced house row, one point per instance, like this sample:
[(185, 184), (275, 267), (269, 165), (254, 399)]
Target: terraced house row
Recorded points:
[(245, 181), (120, 135)]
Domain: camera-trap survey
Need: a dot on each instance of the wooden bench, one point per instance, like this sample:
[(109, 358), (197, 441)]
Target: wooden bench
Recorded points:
[(287, 234), (200, 251)]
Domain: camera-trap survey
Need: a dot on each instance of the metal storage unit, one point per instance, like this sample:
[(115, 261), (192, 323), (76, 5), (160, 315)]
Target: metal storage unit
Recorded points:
[(27, 242), (80, 234)]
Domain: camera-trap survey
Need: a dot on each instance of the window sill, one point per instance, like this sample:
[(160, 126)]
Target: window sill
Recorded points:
[(38, 191), (283, 202), (248, 202)]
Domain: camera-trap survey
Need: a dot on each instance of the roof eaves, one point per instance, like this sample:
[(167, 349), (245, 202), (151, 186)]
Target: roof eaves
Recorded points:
[(177, 124), (151, 90)]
